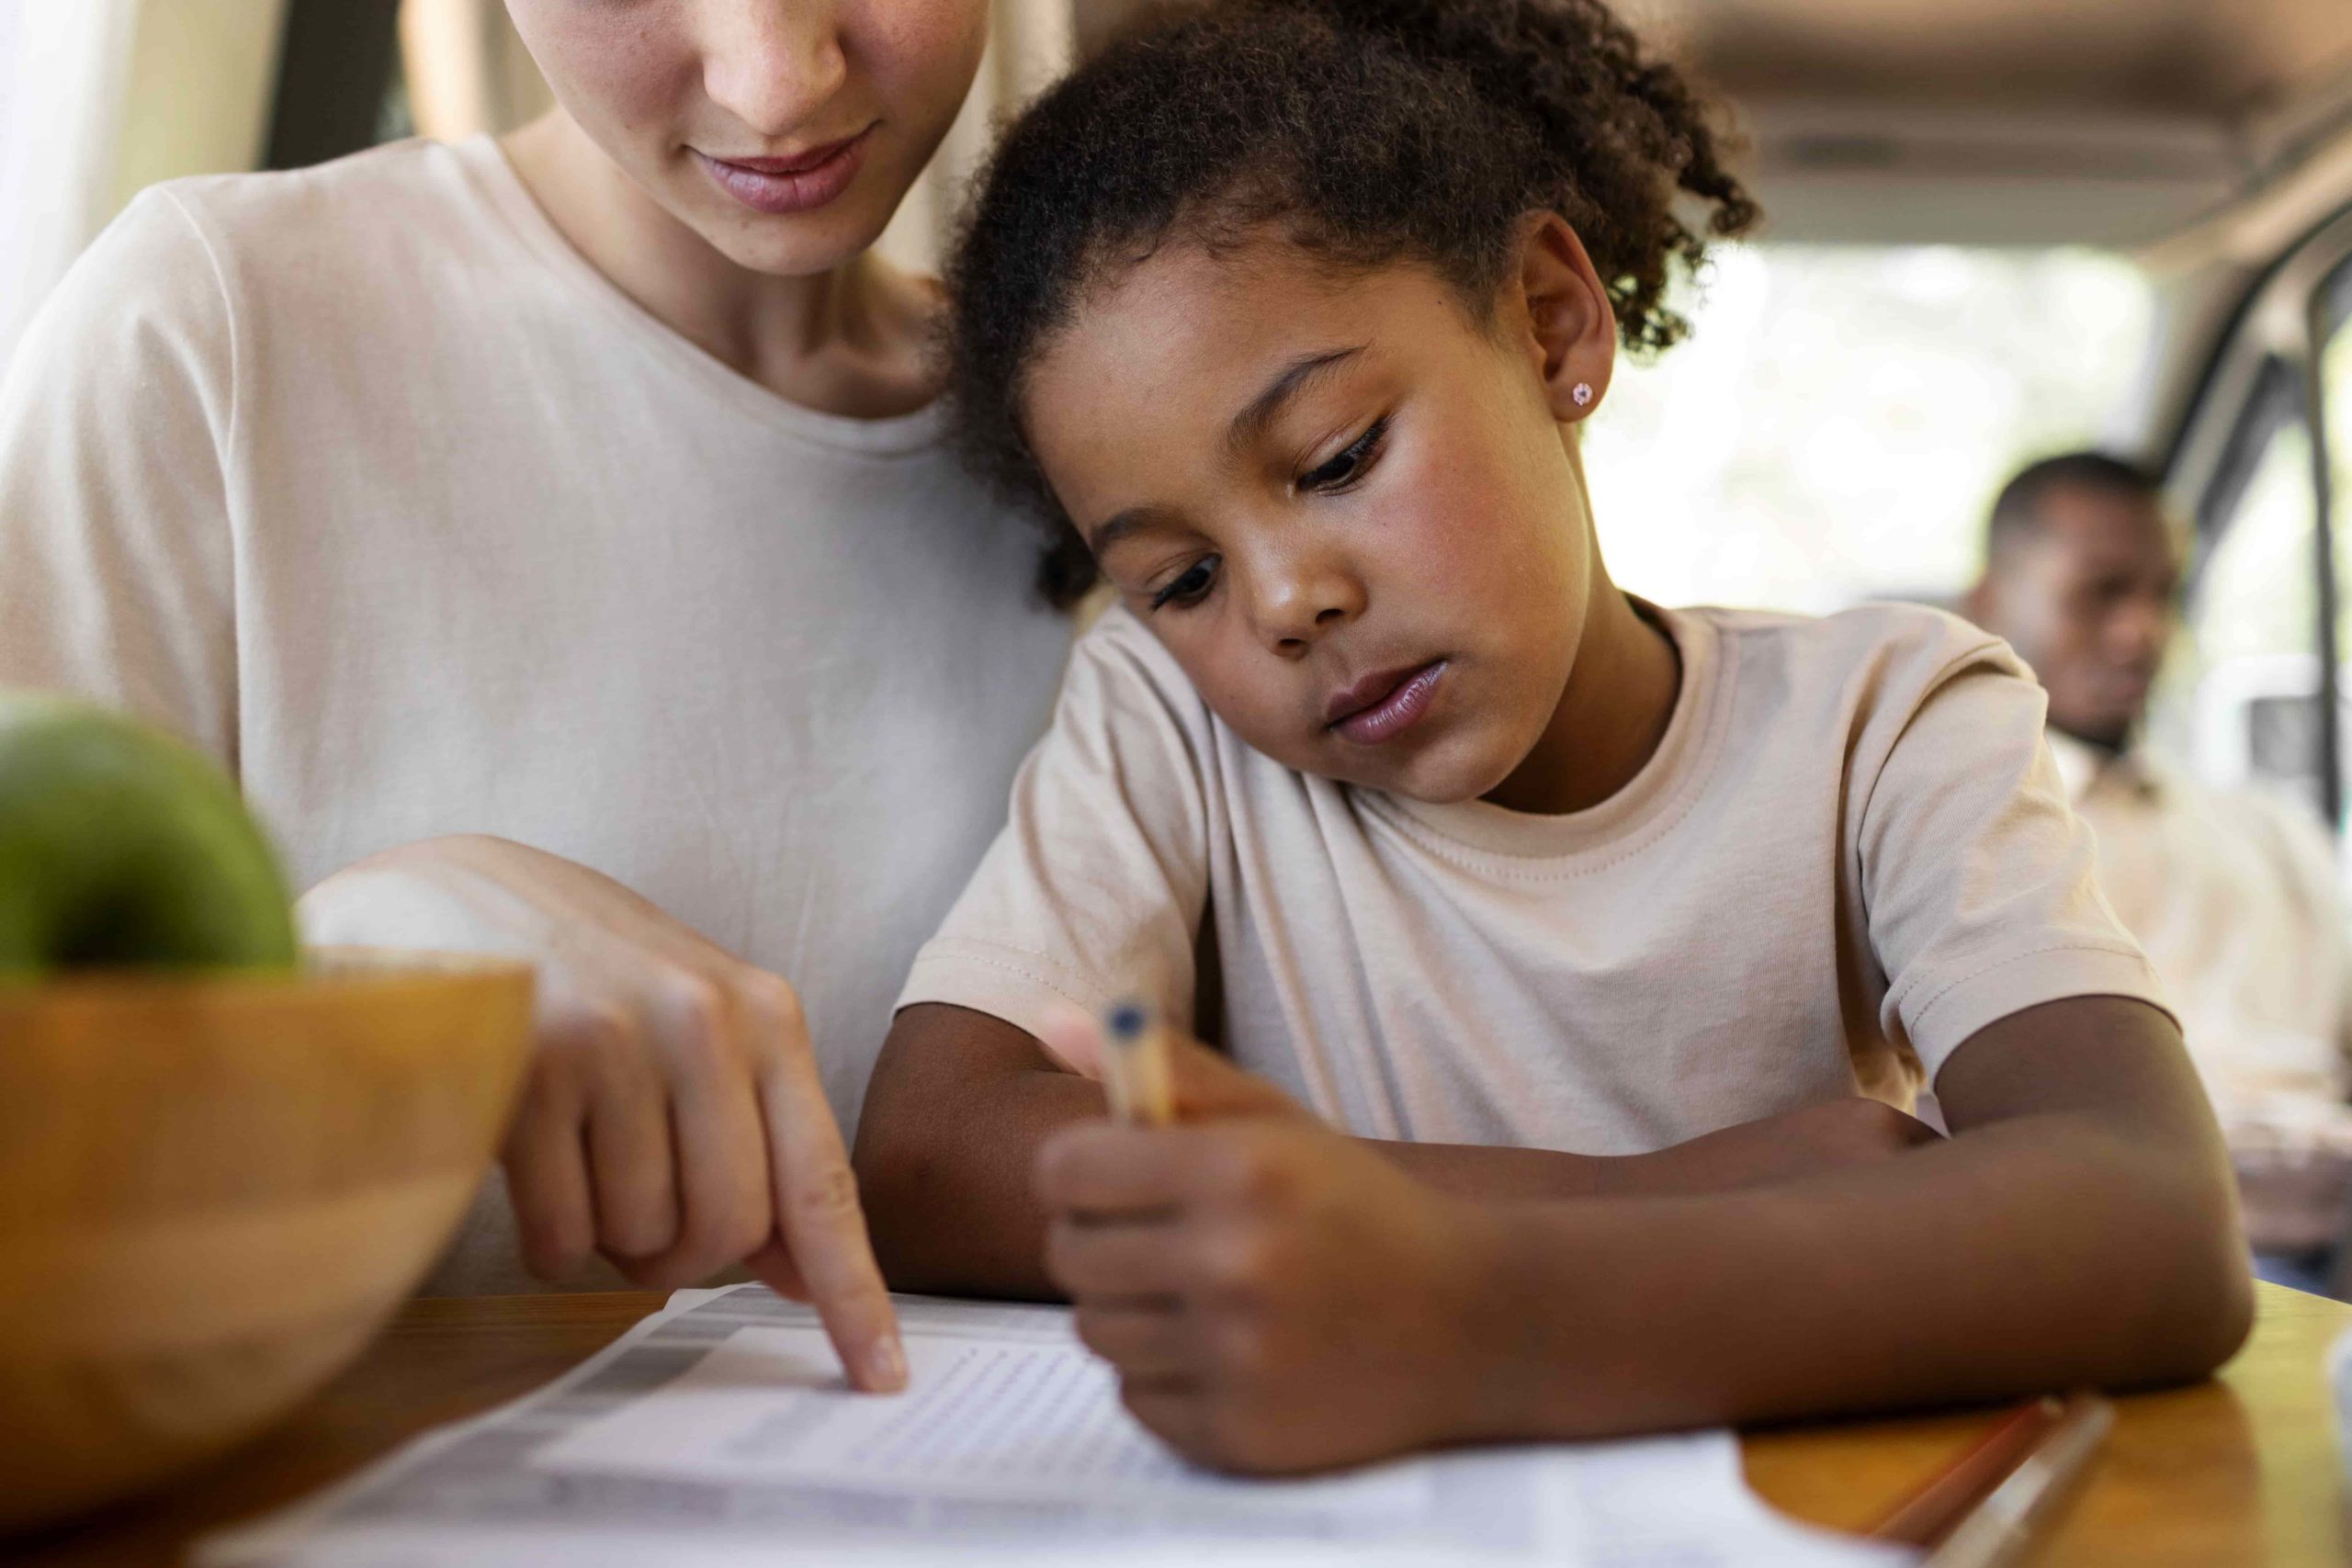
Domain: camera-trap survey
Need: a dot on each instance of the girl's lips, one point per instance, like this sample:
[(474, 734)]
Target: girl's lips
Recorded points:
[(1398, 710), (777, 186)]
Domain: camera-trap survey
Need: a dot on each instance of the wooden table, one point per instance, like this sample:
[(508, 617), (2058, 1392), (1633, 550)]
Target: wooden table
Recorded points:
[(2239, 1471)]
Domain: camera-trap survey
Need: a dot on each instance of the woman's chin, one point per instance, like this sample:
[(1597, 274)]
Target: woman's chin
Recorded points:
[(797, 246), (779, 244)]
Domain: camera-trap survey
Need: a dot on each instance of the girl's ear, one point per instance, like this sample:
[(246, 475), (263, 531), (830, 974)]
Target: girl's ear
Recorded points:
[(1571, 330)]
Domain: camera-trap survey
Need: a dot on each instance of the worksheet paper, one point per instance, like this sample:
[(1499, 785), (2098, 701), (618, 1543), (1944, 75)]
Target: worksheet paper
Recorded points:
[(719, 1431)]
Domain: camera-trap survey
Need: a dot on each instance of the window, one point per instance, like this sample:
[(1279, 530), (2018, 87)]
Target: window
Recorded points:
[(2243, 699), (1839, 419), (2240, 697)]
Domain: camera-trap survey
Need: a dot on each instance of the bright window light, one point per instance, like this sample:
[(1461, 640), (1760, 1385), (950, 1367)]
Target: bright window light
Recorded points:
[(1839, 419)]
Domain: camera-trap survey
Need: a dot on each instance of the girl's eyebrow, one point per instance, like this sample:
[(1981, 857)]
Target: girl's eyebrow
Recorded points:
[(1296, 377), (1134, 519), (1247, 427)]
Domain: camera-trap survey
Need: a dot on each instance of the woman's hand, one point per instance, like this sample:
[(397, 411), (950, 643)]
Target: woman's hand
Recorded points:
[(1276, 1297), (673, 1119)]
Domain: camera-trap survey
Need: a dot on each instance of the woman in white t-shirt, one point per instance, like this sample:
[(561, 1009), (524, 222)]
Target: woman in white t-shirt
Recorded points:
[(586, 493)]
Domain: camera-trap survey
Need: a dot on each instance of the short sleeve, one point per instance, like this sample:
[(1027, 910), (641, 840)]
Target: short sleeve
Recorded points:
[(1096, 889), (1978, 881), (116, 565)]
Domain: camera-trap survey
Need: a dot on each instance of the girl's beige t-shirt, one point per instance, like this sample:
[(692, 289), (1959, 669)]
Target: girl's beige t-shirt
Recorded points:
[(1849, 853), (365, 479)]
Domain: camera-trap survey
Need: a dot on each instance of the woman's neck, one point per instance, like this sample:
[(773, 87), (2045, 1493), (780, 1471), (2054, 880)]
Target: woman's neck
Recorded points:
[(849, 342)]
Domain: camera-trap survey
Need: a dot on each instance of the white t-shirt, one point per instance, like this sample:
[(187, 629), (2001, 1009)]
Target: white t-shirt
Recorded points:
[(1849, 853), (367, 481)]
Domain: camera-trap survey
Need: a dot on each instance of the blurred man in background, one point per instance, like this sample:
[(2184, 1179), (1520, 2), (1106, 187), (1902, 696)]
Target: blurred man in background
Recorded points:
[(2233, 896)]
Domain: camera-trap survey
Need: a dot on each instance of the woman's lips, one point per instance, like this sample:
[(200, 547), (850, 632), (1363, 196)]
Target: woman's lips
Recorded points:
[(790, 184), (1384, 706)]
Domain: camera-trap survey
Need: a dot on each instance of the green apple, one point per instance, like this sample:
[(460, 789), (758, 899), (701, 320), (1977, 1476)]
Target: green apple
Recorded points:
[(121, 847)]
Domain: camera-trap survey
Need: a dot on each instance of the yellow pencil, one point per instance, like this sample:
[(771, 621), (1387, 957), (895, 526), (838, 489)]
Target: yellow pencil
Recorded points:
[(1135, 1065)]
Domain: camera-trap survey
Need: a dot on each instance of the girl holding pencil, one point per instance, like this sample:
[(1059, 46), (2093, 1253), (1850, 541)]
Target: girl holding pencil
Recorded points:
[(1573, 962)]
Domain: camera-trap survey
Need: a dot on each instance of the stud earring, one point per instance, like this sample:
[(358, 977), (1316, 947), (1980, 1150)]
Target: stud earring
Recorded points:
[(1582, 394)]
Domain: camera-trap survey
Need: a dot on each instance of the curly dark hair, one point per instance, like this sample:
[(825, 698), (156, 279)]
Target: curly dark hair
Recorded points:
[(1368, 131)]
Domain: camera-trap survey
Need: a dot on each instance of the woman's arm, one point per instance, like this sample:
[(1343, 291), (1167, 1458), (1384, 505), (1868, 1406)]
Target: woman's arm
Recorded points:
[(961, 1102), (673, 1119), (117, 574), (1276, 1301)]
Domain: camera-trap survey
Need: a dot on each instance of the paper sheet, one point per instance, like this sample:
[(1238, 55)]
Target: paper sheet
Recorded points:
[(719, 1431), (985, 1416)]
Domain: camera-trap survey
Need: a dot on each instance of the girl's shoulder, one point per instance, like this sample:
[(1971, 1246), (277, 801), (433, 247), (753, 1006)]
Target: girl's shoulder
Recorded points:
[(1851, 691), (1120, 675), (1897, 651)]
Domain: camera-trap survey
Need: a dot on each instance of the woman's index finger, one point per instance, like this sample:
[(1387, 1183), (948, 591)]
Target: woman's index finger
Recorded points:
[(824, 1225)]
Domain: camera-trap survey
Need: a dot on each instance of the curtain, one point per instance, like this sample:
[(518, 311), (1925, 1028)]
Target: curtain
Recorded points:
[(466, 71), (64, 71), (1030, 43), (100, 98)]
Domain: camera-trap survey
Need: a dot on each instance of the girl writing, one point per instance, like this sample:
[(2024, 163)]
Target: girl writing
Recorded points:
[(1617, 939)]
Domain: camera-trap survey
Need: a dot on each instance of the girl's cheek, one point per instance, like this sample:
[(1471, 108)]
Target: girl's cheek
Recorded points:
[(1215, 655), (1436, 532)]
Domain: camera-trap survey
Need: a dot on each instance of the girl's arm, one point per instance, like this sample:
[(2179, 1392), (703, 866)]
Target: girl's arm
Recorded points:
[(1276, 1302), (961, 1102)]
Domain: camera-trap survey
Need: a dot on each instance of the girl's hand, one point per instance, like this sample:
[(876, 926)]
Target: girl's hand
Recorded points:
[(672, 1119), (1276, 1297)]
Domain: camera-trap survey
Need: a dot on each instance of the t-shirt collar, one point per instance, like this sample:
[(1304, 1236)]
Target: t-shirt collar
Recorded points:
[(2085, 768), (1685, 755)]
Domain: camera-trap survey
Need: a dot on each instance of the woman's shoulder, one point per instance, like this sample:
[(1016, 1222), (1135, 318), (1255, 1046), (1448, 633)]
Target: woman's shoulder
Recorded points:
[(192, 270), (321, 232), (349, 202)]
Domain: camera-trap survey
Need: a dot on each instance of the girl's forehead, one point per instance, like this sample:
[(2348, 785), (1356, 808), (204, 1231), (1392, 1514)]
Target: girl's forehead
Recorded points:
[(1162, 345), (1189, 324), (1150, 386)]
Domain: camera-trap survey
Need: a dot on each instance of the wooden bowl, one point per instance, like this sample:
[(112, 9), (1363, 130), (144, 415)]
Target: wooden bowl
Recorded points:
[(213, 1191)]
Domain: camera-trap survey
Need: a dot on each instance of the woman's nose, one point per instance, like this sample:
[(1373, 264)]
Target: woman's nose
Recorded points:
[(773, 64)]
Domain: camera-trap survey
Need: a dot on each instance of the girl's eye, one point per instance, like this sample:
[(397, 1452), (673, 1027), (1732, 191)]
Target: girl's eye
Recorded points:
[(1190, 588), (1348, 466)]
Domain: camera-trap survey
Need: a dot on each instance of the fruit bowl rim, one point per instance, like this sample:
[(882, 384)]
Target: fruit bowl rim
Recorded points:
[(321, 970)]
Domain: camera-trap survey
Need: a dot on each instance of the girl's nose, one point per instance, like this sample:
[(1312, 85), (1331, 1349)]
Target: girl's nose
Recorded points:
[(774, 64), (1300, 602)]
